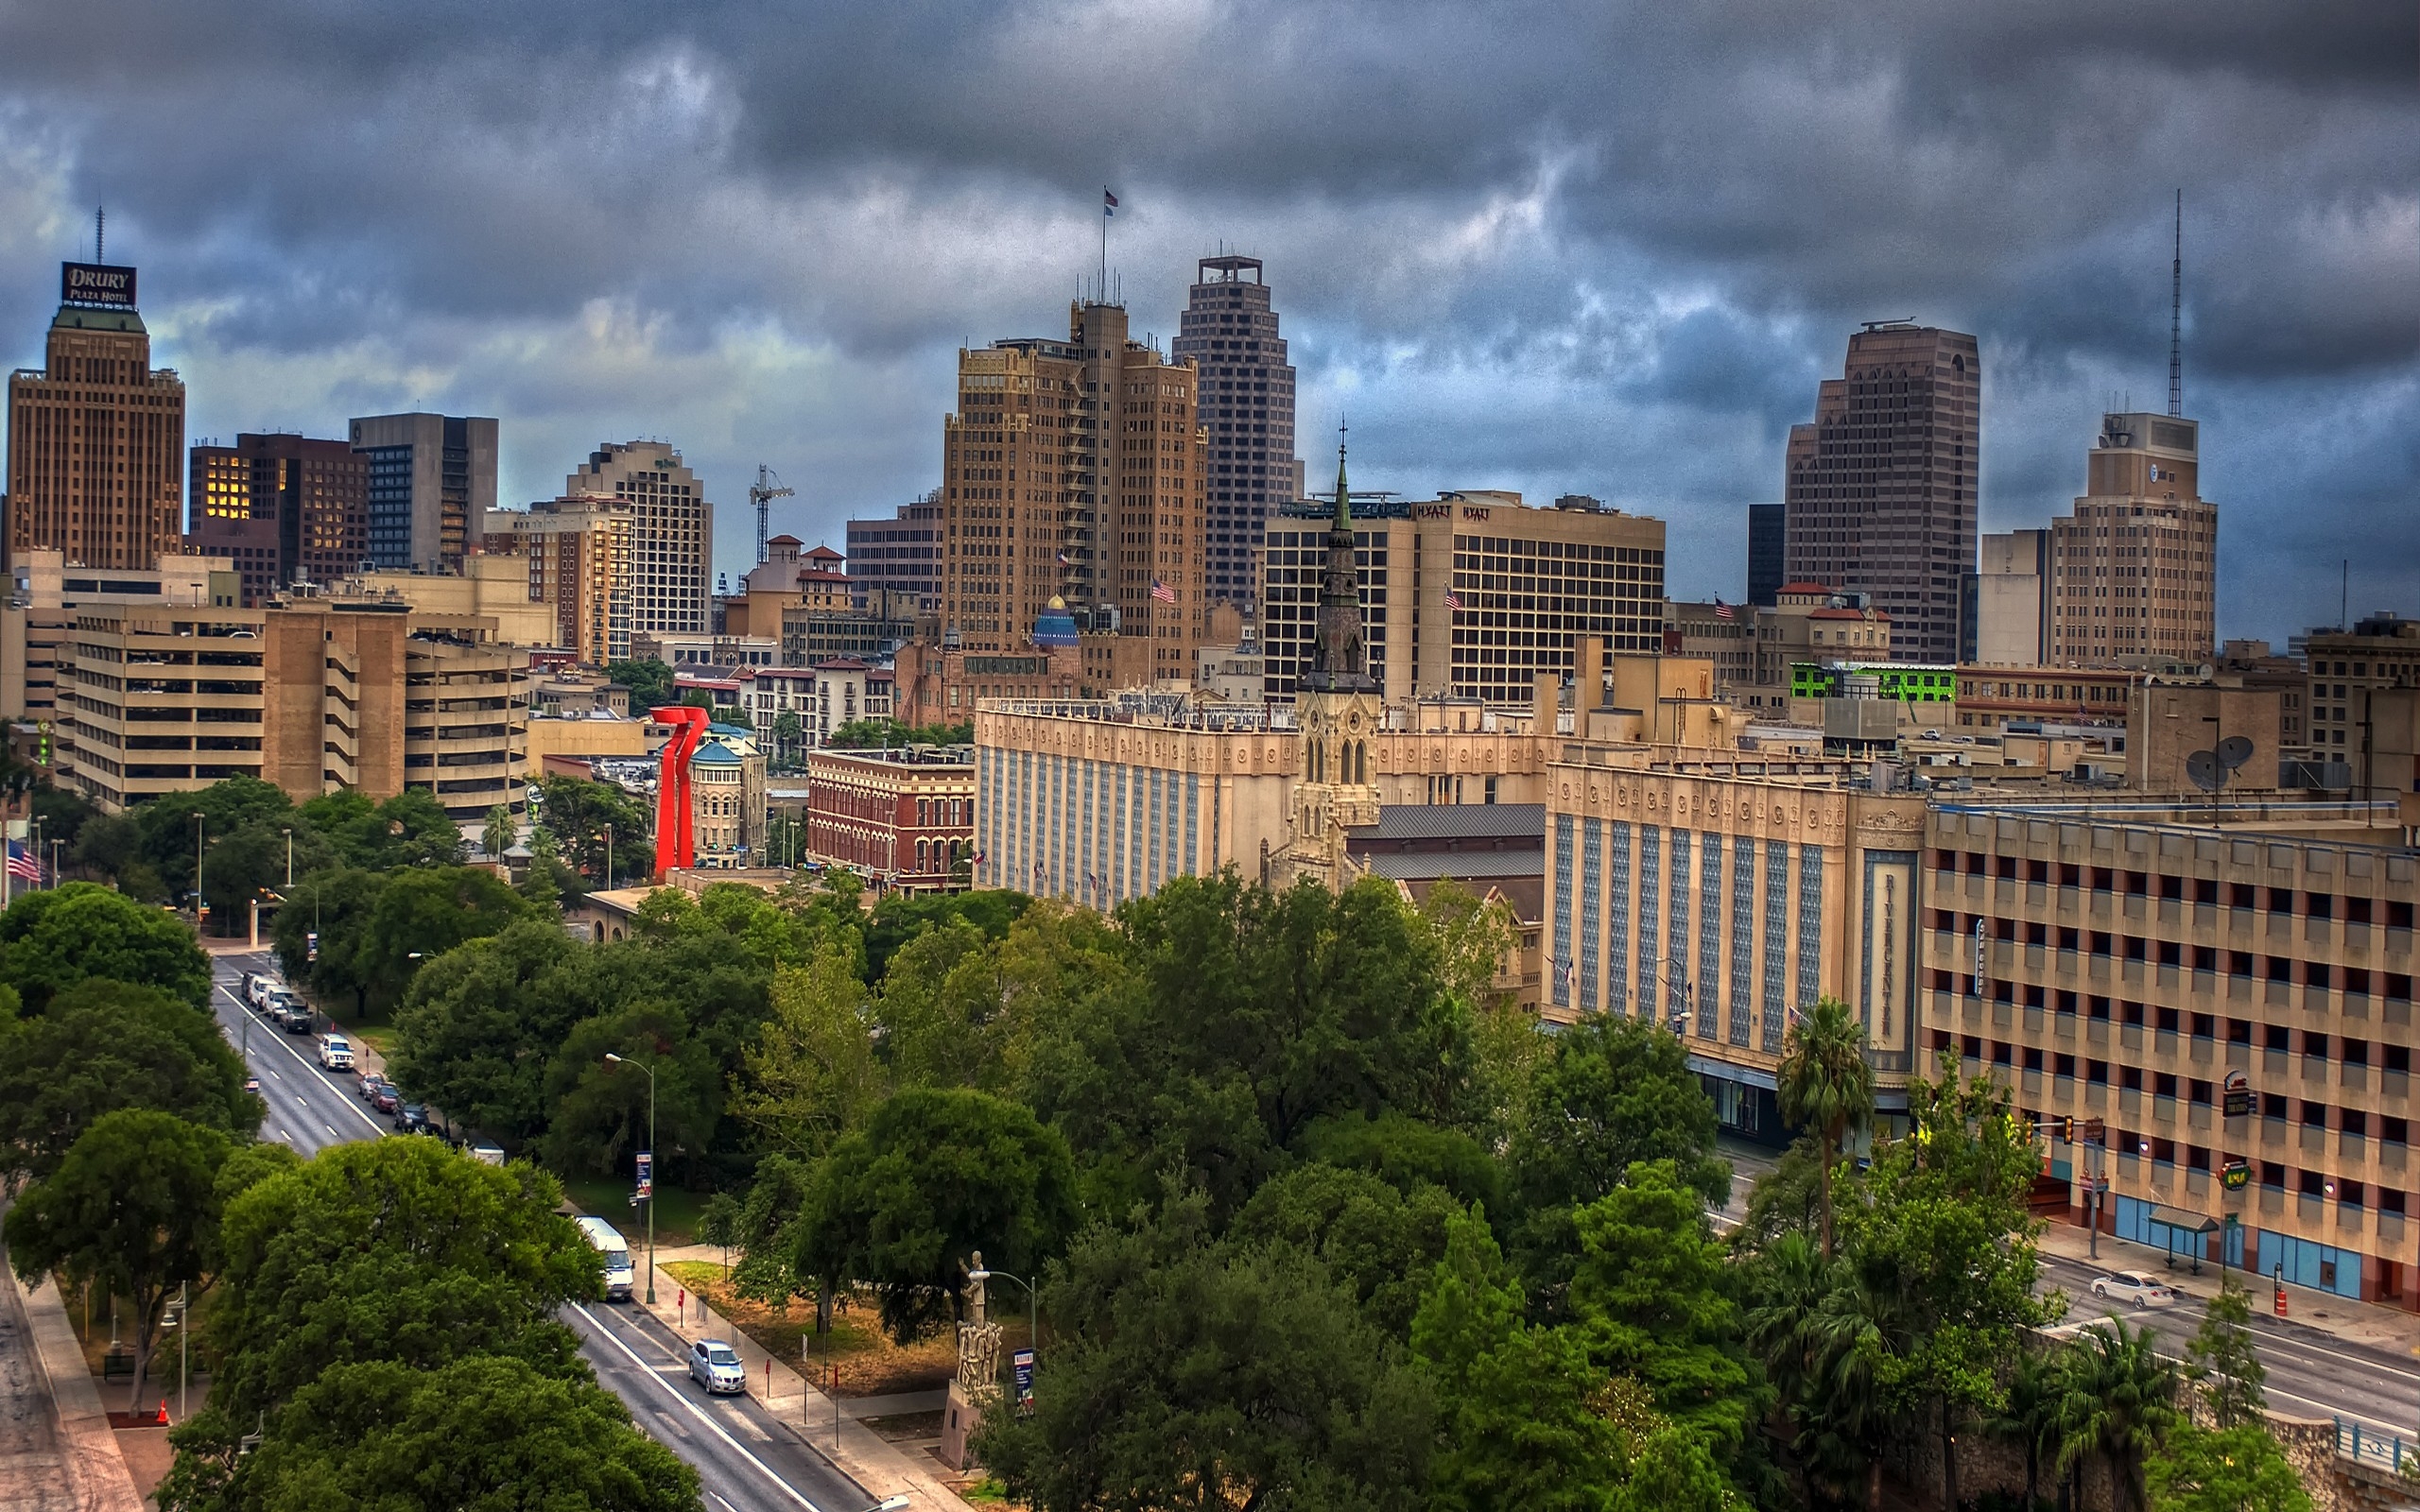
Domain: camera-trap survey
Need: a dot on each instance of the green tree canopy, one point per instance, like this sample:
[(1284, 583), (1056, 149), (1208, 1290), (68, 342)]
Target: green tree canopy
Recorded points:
[(103, 1046), (902, 916), (650, 681), (577, 813), (868, 735), (1377, 1243), (248, 865), (337, 906), (59, 937), (1826, 1084), (481, 1025), (2229, 1470), (1216, 1378), (423, 912), (2223, 1362), (479, 1432), (133, 1208), (167, 827), (935, 1175)]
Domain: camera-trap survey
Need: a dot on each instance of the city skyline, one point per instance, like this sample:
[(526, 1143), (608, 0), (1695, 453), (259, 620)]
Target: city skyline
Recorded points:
[(1492, 304)]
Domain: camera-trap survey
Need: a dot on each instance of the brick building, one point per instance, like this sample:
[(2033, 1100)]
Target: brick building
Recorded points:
[(905, 818)]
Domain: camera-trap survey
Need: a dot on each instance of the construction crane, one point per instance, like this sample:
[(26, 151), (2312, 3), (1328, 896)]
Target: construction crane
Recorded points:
[(768, 487)]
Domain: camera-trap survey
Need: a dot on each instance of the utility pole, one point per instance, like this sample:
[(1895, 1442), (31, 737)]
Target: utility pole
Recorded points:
[(761, 495)]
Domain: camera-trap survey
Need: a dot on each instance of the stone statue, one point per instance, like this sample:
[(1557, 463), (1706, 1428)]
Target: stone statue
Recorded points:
[(978, 1338)]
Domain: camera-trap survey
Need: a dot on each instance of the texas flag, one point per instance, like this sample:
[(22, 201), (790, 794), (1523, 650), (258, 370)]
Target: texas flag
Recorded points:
[(1108, 203)]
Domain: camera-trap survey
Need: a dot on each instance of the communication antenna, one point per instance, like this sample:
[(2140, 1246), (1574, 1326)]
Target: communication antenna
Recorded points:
[(767, 489), (2176, 317), (100, 229)]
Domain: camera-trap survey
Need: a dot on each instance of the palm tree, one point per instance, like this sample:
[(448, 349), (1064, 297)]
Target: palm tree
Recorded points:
[(2119, 1403), (2029, 1412), (1826, 1084), (496, 838)]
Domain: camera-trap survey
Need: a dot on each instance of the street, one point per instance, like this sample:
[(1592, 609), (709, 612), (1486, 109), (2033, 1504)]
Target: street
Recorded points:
[(745, 1461)]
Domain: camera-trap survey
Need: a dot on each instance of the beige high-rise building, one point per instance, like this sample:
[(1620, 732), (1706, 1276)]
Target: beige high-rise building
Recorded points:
[(1469, 595), (2134, 571), (1074, 470), (96, 434), (578, 552), (1882, 487), (672, 533)]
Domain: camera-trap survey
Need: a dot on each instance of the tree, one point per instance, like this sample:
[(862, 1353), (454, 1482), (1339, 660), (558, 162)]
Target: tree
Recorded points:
[(578, 812), (131, 1208), (718, 1226), (598, 1110), (935, 1175), (2223, 1362), (58, 937), (1213, 1378), (2028, 1413), (868, 734), (103, 1046), (480, 1432), (650, 681), (2120, 1407), (1826, 1084), (248, 865), (811, 1074), (1520, 1427), (790, 738), (902, 916), (481, 1026), (1380, 1243), (388, 1250), (1650, 1301), (497, 833), (168, 829), (2228, 1470), (425, 912), (337, 906)]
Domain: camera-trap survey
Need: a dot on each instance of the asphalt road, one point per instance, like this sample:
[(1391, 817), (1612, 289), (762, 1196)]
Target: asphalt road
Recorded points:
[(745, 1461)]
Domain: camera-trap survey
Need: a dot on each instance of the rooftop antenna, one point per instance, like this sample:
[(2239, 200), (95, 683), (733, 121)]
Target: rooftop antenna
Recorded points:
[(100, 229), (768, 488), (2176, 317)]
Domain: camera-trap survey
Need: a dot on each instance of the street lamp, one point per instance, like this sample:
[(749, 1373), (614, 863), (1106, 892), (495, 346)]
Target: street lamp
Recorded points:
[(289, 858), (1032, 1306), (200, 916), (609, 855), (651, 1151)]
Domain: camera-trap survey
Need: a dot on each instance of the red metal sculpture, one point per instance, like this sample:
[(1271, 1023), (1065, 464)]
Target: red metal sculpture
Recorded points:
[(676, 840)]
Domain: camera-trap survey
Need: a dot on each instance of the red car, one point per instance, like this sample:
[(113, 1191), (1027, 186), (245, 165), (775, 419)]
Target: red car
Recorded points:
[(388, 1098)]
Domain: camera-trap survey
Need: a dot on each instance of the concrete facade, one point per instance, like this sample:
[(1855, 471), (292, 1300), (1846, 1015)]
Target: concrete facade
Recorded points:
[(2134, 570), (1230, 331), (432, 482), (672, 532), (96, 440)]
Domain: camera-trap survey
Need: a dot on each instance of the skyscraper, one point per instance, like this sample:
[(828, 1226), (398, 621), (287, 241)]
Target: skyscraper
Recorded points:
[(2134, 570), (1880, 496), (580, 556), (1768, 552), (898, 557), (1248, 407), (1074, 470), (432, 481), (284, 507), (672, 532), (96, 434)]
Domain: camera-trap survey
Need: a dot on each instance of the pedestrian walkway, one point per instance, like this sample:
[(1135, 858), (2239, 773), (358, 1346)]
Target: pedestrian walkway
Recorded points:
[(2375, 1324), (858, 1452), (86, 1449)]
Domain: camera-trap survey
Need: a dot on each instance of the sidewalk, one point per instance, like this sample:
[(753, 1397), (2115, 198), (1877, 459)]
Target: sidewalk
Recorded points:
[(863, 1455), (86, 1440), (2392, 1329)]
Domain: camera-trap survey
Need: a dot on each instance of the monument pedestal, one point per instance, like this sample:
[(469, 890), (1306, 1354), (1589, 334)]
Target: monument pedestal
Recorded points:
[(960, 1415)]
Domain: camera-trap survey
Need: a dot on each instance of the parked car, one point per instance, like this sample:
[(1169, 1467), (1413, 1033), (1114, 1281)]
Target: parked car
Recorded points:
[(288, 1012), (370, 1081), (255, 989), (336, 1052), (412, 1118), (715, 1365), (386, 1099), (253, 1085), (2136, 1287)]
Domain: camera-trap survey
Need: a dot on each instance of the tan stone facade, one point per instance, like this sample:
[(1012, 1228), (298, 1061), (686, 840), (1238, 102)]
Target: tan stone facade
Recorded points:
[(2134, 570), (580, 563), (2122, 966), (96, 440)]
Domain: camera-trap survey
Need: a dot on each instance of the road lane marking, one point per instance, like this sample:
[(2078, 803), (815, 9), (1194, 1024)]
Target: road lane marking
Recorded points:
[(306, 1067), (737, 1447)]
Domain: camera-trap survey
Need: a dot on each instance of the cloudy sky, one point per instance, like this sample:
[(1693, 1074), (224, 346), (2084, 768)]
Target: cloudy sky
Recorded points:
[(1605, 248)]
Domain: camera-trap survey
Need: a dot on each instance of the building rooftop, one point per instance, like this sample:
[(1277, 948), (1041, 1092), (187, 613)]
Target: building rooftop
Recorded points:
[(1458, 821)]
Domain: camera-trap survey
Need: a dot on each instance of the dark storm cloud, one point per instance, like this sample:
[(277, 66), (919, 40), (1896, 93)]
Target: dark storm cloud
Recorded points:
[(1559, 247)]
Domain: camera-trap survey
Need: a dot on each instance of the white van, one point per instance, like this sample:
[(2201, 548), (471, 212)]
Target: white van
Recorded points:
[(614, 1254), (336, 1052)]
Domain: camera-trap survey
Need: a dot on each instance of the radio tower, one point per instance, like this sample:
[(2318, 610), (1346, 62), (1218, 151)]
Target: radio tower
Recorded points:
[(768, 487), (2175, 319)]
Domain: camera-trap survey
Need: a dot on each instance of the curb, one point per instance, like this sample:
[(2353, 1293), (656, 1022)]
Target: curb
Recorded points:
[(103, 1483)]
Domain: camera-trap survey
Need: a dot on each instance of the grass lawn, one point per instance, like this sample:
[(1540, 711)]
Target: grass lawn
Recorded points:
[(609, 1197), (870, 1363)]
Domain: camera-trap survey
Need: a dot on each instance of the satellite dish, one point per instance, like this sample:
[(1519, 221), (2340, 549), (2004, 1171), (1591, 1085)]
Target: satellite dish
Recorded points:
[(2233, 751), (2202, 766)]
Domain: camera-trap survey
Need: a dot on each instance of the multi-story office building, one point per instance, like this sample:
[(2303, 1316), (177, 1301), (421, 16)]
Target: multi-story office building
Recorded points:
[(1882, 487), (905, 818), (579, 553), (2229, 993), (352, 691), (899, 558), (1990, 696), (37, 637), (2134, 570), (1768, 552), (285, 507), (1230, 331), (2006, 608), (432, 482), (672, 532), (1754, 646), (1469, 595), (2347, 667), (96, 434), (873, 633), (1073, 470)]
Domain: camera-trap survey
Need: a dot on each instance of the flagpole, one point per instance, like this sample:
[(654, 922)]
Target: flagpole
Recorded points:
[(1100, 290)]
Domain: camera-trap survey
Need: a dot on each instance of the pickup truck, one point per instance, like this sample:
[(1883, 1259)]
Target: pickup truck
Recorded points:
[(336, 1052)]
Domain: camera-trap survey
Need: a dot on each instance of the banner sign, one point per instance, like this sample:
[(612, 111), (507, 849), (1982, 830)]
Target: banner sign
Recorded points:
[(96, 283)]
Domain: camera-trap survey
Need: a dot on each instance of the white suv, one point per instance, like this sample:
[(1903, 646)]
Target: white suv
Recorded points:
[(336, 1052)]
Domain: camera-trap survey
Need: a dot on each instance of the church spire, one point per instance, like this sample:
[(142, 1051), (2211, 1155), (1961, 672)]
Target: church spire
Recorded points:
[(1343, 506), (1338, 663)]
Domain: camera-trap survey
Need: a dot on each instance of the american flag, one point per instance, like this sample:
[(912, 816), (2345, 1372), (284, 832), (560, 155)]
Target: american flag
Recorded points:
[(1108, 203), (21, 864), (1722, 610), (1162, 591), (1453, 600)]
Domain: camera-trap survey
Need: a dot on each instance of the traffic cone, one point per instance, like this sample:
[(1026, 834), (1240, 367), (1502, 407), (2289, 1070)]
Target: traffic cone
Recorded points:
[(163, 1412)]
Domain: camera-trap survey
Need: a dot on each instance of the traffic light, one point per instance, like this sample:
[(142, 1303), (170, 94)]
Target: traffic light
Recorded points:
[(2069, 1132)]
